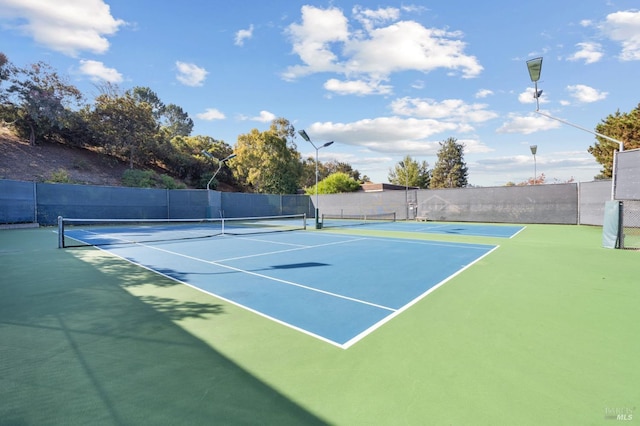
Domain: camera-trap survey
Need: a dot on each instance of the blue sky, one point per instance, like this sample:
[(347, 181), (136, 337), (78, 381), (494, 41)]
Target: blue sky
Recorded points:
[(381, 79)]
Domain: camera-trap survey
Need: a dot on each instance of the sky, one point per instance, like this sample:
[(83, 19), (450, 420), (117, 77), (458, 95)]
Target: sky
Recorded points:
[(382, 79)]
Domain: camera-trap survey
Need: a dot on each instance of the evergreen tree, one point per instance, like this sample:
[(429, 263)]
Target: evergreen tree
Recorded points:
[(450, 170), (624, 127), (410, 173)]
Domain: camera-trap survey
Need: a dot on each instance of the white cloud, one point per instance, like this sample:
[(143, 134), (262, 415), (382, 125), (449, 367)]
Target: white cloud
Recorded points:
[(190, 74), (97, 71), (586, 94), (527, 124), (407, 45), (418, 84), (448, 109), (325, 41), (243, 35), (312, 38), (66, 26), (356, 87), (211, 114), (624, 27), (372, 18), (264, 117), (590, 52), (387, 134), (483, 93)]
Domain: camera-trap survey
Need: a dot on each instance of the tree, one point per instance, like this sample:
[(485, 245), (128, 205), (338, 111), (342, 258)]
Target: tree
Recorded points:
[(268, 162), (176, 121), (41, 100), (5, 72), (339, 166), (409, 172), (308, 177), (450, 170), (195, 145), (125, 125), (624, 127), (170, 117), (335, 183)]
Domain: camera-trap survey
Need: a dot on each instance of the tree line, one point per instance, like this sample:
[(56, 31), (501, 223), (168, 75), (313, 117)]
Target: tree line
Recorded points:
[(136, 126)]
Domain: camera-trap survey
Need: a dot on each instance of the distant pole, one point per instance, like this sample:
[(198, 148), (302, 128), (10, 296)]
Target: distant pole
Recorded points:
[(220, 164), (406, 189), (317, 148), (535, 68), (534, 149)]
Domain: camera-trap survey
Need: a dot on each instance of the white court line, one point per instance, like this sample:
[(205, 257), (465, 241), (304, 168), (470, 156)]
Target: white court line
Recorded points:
[(291, 283), (353, 340), (230, 301), (388, 318), (288, 250), (521, 229)]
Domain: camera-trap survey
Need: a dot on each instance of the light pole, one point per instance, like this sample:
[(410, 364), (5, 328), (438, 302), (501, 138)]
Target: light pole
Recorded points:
[(534, 149), (317, 148), (406, 188), (220, 164), (535, 67)]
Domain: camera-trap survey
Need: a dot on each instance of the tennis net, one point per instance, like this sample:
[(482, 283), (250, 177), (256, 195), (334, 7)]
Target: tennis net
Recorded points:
[(345, 220), (99, 232)]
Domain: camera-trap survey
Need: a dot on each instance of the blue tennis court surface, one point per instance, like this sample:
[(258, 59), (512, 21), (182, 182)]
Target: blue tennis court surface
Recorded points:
[(467, 229), (334, 287)]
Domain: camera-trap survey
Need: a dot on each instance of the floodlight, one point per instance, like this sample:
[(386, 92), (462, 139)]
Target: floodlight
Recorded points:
[(317, 148), (220, 164), (534, 149), (304, 135), (535, 67)]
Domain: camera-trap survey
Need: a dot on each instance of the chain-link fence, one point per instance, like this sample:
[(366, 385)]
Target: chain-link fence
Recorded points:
[(630, 225)]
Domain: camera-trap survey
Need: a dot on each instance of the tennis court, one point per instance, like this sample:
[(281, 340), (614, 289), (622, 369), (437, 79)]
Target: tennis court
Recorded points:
[(333, 287), (540, 330), (466, 229)]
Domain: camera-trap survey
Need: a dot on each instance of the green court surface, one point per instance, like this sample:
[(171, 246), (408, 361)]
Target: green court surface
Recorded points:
[(543, 331)]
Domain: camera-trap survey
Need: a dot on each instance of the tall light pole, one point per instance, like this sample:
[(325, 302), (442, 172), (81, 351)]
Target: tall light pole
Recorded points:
[(406, 187), (317, 148), (220, 164), (535, 67), (534, 149)]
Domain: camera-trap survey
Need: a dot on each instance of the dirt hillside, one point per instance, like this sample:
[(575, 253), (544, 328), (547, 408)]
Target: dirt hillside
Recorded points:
[(19, 161)]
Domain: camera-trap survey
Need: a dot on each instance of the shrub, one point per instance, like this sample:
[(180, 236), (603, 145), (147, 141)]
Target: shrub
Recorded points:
[(149, 179), (60, 176)]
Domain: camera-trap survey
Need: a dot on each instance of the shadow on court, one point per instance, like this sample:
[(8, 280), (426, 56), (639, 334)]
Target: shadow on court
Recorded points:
[(76, 348)]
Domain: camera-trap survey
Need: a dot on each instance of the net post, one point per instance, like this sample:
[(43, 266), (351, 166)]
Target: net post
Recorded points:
[(60, 232), (304, 221)]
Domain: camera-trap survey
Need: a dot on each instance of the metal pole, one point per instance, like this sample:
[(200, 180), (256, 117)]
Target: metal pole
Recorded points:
[(406, 190), (620, 144), (317, 148), (317, 209)]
